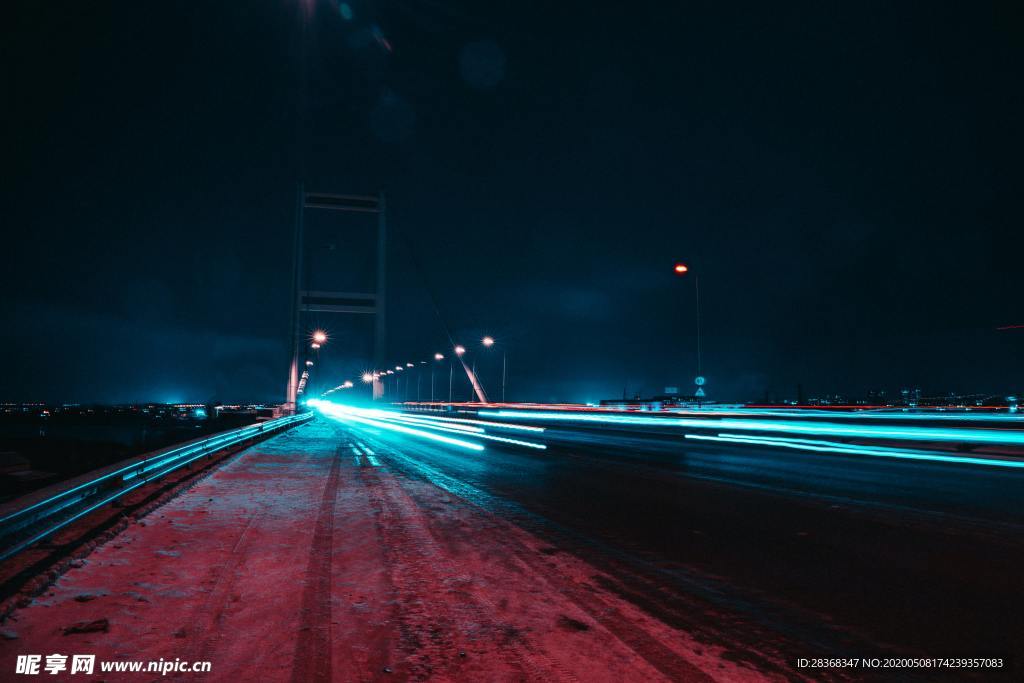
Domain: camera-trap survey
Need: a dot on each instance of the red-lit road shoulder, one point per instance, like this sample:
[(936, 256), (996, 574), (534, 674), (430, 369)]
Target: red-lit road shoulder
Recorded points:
[(305, 559)]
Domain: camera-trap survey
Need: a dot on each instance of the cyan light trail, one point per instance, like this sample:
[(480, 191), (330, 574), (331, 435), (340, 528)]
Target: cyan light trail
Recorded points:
[(1009, 437), (1015, 420), (502, 425), (397, 417), (476, 432), (417, 425), (345, 414), (851, 449)]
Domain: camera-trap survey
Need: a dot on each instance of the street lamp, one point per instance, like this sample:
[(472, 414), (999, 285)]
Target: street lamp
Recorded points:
[(438, 357), (682, 269), (367, 377), (459, 350), (488, 342), (315, 346), (320, 336)]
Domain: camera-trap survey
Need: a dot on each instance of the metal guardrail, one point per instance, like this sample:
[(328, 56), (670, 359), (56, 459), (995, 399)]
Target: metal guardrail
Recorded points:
[(17, 534)]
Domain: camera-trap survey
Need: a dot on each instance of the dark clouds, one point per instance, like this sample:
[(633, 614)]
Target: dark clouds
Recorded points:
[(844, 177)]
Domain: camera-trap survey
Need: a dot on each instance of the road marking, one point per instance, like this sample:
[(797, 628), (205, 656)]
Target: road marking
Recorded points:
[(373, 461)]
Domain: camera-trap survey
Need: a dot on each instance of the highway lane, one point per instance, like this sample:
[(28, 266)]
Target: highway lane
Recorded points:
[(818, 554), (312, 556)]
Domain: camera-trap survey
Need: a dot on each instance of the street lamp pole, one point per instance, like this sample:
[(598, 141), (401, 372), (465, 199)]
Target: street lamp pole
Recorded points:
[(696, 288), (459, 350), (683, 269), (437, 359)]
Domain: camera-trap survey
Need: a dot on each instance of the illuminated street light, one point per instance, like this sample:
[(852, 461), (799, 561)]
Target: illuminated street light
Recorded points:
[(683, 269), (320, 337), (459, 350), (314, 345), (438, 357), (309, 363), (391, 372), (368, 377), (399, 368), (488, 342), (410, 365)]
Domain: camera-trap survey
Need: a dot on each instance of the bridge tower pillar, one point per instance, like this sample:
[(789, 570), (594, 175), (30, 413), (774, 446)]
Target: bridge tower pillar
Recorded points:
[(358, 303)]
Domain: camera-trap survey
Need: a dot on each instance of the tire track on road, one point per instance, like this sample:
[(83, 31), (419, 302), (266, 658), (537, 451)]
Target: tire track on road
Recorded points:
[(312, 660), (434, 627), (646, 646), (206, 623)]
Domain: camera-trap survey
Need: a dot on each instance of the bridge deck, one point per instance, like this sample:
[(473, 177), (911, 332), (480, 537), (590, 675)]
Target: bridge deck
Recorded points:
[(308, 558)]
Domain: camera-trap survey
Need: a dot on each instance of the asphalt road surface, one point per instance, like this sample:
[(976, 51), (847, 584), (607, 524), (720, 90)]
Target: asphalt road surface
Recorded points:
[(809, 554), (339, 552)]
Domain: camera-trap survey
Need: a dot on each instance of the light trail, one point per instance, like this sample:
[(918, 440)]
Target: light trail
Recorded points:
[(415, 425), (1017, 420), (476, 432), (577, 417), (906, 433), (854, 412), (343, 413), (399, 417), (852, 449), (957, 435), (503, 425)]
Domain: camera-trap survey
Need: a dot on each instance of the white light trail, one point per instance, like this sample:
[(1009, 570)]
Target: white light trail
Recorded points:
[(344, 413), (900, 433), (853, 449)]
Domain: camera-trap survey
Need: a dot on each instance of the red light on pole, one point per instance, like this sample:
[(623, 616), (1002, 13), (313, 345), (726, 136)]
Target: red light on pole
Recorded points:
[(681, 269)]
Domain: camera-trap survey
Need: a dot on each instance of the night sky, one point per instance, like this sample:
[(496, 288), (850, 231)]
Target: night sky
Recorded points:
[(844, 178)]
